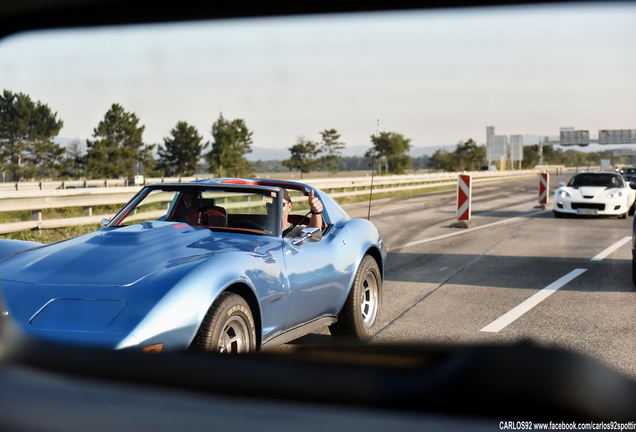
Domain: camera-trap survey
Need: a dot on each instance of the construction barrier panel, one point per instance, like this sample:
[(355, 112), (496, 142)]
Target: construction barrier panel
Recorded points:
[(463, 197), (544, 182)]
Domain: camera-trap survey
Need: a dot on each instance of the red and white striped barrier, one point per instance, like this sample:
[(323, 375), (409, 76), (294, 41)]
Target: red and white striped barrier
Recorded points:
[(544, 182), (463, 197)]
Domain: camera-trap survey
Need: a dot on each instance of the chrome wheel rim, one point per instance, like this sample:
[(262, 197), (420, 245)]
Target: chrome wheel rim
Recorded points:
[(235, 337), (369, 299)]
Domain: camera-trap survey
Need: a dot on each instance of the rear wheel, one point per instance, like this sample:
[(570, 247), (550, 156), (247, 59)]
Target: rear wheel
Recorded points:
[(228, 327), (358, 320)]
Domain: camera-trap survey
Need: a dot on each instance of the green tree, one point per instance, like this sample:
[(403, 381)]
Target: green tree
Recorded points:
[(181, 151), (467, 156), (148, 162), (576, 158), (470, 155), (392, 146), (530, 156), (268, 166), (443, 160), (570, 158), (231, 142), (303, 156), (74, 162), (27, 129), (118, 145), (331, 150), (353, 163)]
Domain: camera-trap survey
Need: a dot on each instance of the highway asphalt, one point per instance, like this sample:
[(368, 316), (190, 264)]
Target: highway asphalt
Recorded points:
[(518, 273)]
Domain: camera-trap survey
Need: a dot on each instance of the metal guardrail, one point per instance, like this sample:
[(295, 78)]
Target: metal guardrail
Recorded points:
[(86, 184), (50, 195)]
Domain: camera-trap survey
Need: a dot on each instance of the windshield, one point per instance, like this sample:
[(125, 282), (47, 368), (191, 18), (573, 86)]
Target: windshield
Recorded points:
[(217, 209), (598, 180)]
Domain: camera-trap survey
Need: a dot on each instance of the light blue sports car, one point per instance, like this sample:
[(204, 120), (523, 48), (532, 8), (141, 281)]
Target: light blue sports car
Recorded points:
[(204, 265)]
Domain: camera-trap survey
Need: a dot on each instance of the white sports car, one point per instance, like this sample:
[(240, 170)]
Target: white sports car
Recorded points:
[(594, 193)]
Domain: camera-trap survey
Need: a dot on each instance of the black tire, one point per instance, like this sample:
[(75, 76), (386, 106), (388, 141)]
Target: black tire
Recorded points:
[(228, 327), (634, 270), (359, 319), (631, 210), (557, 214)]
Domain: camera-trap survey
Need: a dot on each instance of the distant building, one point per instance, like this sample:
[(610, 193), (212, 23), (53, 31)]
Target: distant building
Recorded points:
[(510, 147), (496, 145)]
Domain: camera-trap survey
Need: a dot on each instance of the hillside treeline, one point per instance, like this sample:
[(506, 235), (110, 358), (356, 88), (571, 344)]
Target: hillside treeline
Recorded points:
[(117, 149)]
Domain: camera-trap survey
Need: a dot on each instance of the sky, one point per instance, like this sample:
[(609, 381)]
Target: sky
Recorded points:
[(438, 77)]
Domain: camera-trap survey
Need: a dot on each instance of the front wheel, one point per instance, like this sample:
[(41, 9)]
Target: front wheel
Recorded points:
[(358, 320), (634, 270), (228, 327)]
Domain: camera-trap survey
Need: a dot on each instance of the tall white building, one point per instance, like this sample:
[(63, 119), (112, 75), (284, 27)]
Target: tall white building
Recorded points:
[(496, 145)]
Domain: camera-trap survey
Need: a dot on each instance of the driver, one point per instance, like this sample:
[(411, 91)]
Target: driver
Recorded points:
[(316, 214), (187, 199)]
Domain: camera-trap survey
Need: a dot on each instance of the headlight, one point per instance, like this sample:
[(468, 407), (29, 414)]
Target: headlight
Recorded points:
[(564, 194)]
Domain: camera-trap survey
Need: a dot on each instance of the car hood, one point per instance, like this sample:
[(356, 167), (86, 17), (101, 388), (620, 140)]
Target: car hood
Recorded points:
[(97, 289), (118, 256), (591, 191)]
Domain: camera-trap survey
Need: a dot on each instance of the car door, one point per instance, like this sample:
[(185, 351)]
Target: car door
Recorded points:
[(319, 275)]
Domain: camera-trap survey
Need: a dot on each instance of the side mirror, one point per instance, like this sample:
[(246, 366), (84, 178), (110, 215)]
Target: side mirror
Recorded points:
[(632, 183), (309, 234)]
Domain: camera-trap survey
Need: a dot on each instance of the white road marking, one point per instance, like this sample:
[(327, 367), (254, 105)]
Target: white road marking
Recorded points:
[(465, 231), (524, 307), (611, 249), (443, 268)]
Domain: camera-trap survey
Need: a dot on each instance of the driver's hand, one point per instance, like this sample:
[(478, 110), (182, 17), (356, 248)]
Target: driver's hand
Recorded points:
[(314, 202)]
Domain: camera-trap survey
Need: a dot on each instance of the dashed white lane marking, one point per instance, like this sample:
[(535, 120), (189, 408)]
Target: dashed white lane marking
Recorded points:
[(514, 219), (611, 249), (524, 307)]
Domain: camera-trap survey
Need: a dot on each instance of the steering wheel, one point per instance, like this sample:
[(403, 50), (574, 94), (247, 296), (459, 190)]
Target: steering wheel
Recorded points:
[(245, 223)]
